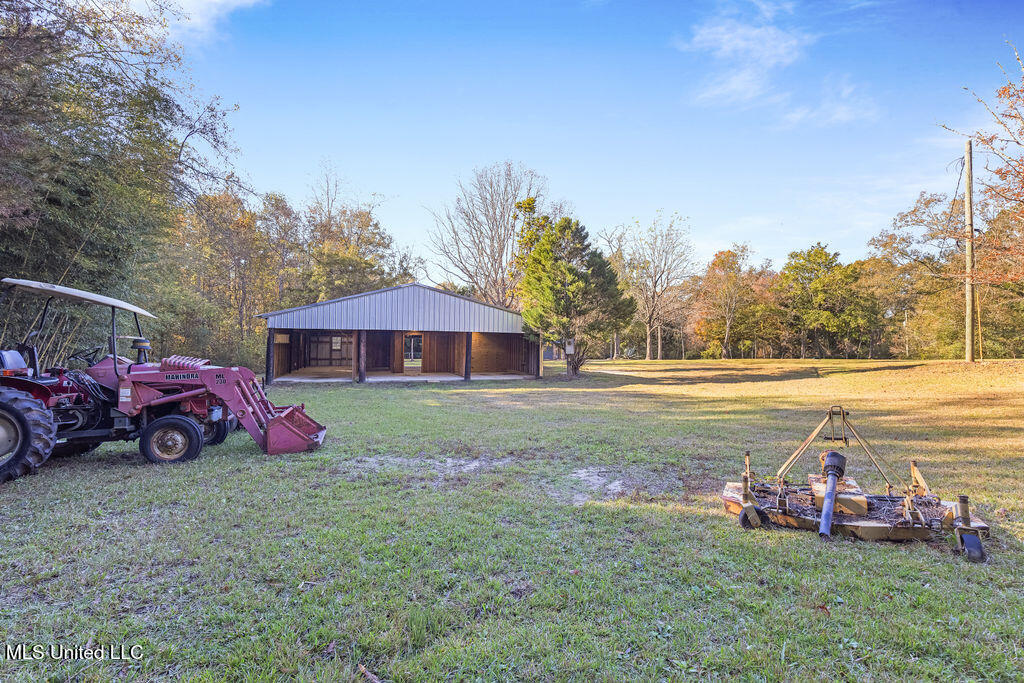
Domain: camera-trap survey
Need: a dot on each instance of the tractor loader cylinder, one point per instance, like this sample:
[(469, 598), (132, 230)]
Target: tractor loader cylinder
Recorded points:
[(834, 467)]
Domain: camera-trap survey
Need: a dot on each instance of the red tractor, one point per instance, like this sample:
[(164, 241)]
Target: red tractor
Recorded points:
[(172, 407)]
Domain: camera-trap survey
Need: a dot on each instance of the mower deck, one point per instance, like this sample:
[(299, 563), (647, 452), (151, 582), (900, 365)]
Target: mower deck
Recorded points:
[(832, 503), (884, 520)]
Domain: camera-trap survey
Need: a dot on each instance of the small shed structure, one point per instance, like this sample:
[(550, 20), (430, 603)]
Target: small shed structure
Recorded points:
[(405, 332)]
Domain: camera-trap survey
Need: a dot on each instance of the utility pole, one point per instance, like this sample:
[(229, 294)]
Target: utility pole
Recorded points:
[(969, 255)]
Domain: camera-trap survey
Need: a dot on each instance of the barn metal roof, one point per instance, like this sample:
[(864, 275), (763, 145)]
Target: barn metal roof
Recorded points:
[(411, 307)]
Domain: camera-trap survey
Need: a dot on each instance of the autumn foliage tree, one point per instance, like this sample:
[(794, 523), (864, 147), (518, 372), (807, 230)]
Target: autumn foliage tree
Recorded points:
[(725, 289), (1001, 263), (228, 259)]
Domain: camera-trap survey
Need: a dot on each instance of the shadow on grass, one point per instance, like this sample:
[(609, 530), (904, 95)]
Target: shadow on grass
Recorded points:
[(829, 370), (795, 412), (610, 376), (705, 376)]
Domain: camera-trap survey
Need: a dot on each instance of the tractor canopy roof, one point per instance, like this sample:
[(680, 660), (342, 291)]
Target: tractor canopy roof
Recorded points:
[(72, 294)]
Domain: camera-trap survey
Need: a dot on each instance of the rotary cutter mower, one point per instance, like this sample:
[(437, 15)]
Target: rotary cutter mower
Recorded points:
[(833, 503)]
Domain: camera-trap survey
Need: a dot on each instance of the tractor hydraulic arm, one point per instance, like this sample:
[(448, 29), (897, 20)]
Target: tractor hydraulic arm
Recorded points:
[(277, 429)]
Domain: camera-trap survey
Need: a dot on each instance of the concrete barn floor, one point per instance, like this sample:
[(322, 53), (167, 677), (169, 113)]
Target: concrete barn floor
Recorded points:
[(345, 375)]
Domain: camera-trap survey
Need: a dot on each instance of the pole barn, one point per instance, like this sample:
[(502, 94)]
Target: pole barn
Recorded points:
[(406, 333)]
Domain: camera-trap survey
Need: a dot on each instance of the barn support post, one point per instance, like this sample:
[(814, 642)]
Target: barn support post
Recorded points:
[(268, 377), (540, 356), (355, 355), (469, 357), (362, 356)]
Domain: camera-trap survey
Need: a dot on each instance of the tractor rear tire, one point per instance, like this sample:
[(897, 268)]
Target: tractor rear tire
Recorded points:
[(170, 439), (214, 433), (27, 433)]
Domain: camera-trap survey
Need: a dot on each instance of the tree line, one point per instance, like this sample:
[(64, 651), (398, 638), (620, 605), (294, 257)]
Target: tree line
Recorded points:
[(905, 300), (115, 177)]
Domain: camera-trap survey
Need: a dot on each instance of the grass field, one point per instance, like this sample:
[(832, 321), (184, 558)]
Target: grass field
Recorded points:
[(537, 529)]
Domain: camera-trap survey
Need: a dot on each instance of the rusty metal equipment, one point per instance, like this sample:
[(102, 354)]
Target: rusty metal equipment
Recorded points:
[(833, 503), (172, 407)]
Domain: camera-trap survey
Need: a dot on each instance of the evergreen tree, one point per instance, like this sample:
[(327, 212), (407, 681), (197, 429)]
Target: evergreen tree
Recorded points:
[(569, 291)]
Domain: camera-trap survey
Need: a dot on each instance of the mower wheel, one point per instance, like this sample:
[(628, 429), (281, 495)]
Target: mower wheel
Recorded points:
[(745, 520), (27, 433), (171, 438), (214, 433), (972, 548)]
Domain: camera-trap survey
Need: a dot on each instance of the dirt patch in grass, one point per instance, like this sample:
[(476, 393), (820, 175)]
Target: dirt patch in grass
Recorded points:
[(418, 464), (586, 484), (575, 486)]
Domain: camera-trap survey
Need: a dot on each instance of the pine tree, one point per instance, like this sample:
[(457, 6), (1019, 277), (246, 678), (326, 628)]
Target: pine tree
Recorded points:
[(569, 291)]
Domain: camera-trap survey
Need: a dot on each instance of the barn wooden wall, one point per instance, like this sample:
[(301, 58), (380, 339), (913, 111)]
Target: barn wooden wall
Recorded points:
[(398, 352), (378, 350), (281, 360), (494, 352), (439, 351), (442, 352)]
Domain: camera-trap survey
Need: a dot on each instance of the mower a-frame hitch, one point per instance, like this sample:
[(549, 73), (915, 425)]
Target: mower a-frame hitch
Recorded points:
[(833, 503)]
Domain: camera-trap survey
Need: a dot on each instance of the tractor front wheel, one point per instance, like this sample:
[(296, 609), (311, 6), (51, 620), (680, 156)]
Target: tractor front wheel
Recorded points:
[(214, 433), (172, 438), (27, 433)]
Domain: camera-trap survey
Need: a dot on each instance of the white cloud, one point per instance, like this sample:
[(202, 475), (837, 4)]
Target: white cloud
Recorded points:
[(769, 9), (841, 102), (750, 55), (198, 19), (767, 46), (205, 15)]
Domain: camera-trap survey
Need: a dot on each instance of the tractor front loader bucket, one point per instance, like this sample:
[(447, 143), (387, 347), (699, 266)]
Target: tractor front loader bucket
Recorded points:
[(277, 429), (292, 431)]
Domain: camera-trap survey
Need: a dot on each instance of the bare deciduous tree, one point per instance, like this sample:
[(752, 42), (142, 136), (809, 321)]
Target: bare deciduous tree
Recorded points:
[(614, 245), (658, 263), (476, 236)]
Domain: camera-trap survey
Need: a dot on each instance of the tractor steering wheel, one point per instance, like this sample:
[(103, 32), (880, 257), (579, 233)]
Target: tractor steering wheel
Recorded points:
[(87, 356)]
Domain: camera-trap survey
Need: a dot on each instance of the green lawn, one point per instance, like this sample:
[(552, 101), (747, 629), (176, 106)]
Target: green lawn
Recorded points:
[(545, 529)]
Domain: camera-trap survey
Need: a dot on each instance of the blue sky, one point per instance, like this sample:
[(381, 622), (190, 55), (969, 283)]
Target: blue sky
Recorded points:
[(773, 123)]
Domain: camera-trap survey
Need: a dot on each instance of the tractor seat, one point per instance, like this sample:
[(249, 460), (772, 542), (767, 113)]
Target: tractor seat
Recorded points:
[(12, 360)]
